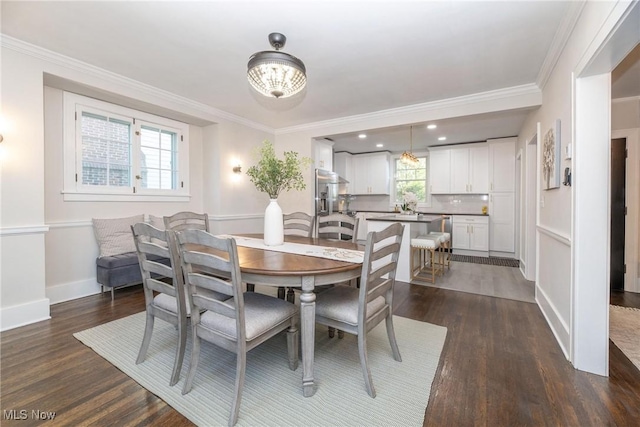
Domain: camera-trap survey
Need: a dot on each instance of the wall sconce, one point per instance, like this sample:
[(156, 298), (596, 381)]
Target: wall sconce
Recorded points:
[(237, 169), (1, 138)]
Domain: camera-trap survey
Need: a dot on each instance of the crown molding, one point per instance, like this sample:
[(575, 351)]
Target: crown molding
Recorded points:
[(461, 101), (560, 39), (100, 73)]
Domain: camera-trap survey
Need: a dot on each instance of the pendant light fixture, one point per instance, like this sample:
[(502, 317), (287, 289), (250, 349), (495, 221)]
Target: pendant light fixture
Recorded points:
[(407, 157), (276, 74)]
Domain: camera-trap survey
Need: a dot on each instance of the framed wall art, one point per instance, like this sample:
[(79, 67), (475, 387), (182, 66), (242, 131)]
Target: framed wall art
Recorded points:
[(551, 146)]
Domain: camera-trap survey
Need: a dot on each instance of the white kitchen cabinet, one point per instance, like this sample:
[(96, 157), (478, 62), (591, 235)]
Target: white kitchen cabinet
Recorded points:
[(324, 155), (471, 233), (440, 171), (370, 173), (502, 161), (343, 166), (502, 222), (502, 203), (470, 169)]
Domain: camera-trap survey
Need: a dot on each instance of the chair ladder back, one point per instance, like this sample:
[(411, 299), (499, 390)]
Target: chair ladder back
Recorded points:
[(340, 224), (144, 235), (299, 224), (196, 263), (187, 221)]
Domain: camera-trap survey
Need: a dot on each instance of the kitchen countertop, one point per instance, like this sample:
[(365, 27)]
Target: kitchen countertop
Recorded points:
[(430, 213), (395, 217)]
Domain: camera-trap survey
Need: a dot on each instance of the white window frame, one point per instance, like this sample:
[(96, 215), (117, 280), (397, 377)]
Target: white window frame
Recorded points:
[(392, 201), (74, 190)]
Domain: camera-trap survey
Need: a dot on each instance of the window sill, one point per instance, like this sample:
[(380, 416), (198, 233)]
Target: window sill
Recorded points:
[(72, 196)]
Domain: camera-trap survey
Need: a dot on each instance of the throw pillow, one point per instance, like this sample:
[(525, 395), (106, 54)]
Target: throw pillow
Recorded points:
[(114, 235)]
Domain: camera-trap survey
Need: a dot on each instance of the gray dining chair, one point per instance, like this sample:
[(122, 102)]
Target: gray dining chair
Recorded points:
[(296, 224), (357, 311), (237, 324), (158, 276), (338, 226), (187, 221)]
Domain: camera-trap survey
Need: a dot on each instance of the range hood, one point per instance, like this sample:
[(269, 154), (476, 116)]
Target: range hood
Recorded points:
[(328, 177)]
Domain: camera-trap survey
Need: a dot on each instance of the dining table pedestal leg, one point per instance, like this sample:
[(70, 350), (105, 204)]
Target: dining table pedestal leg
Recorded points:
[(308, 331)]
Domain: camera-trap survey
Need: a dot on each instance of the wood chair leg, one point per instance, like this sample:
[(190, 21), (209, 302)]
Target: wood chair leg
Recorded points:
[(392, 338), (146, 339), (332, 332), (182, 345), (241, 364), (251, 287), (291, 296), (293, 341), (280, 292), (364, 362), (193, 363), (340, 334)]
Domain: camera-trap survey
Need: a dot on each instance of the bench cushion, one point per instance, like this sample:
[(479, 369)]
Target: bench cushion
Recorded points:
[(123, 269)]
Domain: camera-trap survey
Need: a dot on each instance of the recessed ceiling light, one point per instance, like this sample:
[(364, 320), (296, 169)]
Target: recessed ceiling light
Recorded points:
[(379, 145), (362, 136), (432, 126), (442, 138)]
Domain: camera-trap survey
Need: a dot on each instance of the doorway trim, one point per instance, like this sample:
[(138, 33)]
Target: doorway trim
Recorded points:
[(591, 121), (531, 210)]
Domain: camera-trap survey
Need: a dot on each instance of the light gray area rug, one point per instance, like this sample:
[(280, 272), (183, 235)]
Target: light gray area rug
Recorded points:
[(483, 279), (624, 331), (272, 392)]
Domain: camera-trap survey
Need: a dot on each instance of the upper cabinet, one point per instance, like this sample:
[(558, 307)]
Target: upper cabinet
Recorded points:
[(470, 169), (324, 155), (343, 166), (439, 171), (502, 157), (370, 174)]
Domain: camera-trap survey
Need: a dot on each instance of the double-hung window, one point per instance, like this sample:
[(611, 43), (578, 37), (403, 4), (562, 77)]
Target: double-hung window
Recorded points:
[(411, 179), (116, 153)]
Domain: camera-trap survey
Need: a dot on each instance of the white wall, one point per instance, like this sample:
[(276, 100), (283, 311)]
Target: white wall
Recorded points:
[(47, 247), (22, 293)]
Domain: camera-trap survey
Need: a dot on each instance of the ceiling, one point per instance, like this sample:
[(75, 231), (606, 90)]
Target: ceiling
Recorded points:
[(361, 56)]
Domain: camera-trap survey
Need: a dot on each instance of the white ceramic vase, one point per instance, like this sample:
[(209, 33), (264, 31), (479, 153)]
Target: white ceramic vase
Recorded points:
[(273, 225)]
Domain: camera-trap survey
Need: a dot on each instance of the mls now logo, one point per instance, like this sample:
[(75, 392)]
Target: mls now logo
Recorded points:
[(23, 414)]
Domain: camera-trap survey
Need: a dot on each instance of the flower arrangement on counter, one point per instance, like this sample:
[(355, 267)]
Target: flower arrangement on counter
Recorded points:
[(409, 202)]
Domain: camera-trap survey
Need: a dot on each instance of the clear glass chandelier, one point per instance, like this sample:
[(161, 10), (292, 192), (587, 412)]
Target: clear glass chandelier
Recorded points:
[(407, 157), (276, 74)]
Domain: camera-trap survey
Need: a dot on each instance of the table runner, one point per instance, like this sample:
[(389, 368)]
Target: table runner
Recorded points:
[(337, 254)]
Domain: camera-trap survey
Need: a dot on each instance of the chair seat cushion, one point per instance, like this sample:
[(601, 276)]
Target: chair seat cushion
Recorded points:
[(427, 242), (341, 303), (167, 302), (445, 236), (261, 313), (123, 260)]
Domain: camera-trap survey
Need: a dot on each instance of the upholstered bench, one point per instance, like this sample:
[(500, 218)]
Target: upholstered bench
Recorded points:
[(121, 270), (117, 263)]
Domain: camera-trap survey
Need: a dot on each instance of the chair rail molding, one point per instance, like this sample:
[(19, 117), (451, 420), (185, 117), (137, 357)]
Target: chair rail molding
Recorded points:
[(24, 229)]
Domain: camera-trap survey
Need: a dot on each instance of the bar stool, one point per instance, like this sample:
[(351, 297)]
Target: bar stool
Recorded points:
[(445, 248), (425, 244)]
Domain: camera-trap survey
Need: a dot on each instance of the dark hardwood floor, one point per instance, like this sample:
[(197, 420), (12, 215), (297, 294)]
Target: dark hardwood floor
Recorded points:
[(501, 366)]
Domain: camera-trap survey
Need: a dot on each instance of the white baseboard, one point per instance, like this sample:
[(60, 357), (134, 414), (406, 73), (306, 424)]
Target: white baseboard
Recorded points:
[(73, 290), (559, 328), (24, 314), (523, 268)]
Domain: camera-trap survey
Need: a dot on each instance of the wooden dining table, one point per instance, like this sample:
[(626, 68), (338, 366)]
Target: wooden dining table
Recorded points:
[(283, 269)]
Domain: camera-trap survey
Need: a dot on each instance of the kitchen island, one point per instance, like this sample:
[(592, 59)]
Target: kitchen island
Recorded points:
[(414, 225)]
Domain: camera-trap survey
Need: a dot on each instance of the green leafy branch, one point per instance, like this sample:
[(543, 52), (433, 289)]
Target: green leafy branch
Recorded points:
[(273, 176)]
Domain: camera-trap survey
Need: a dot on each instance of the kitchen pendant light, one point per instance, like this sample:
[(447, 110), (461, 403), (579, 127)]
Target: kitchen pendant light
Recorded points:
[(276, 74), (407, 157)]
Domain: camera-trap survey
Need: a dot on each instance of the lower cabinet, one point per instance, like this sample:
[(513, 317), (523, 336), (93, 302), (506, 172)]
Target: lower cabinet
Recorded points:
[(470, 233)]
